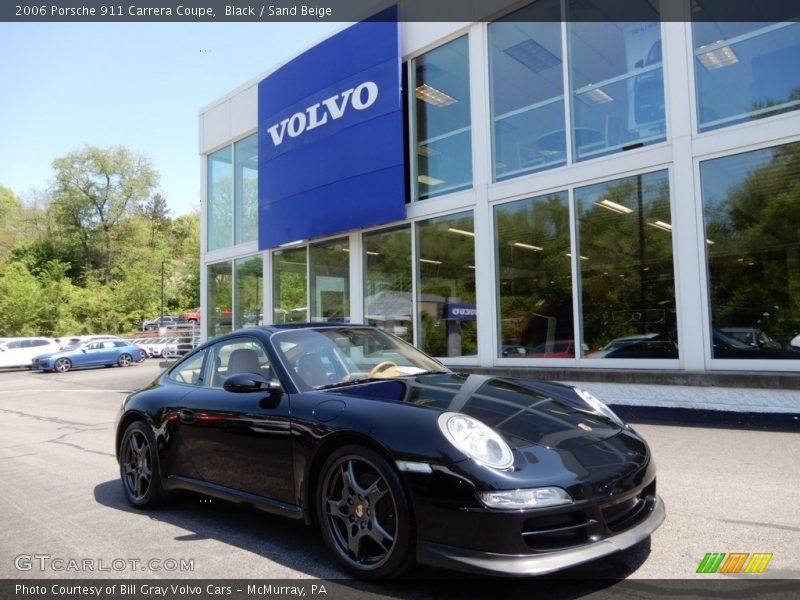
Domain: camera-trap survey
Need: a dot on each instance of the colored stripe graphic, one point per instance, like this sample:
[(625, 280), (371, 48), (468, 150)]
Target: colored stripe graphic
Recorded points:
[(734, 563), (758, 563), (711, 562)]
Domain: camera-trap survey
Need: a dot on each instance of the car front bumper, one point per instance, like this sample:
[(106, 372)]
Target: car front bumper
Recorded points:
[(475, 561)]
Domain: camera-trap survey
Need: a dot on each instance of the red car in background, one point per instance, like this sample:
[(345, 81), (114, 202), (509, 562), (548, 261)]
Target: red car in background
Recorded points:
[(191, 315)]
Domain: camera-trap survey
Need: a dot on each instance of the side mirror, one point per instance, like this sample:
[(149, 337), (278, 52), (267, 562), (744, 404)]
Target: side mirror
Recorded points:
[(251, 382)]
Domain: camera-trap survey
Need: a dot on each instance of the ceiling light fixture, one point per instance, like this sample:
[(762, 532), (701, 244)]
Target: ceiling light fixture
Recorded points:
[(460, 231), (427, 180), (661, 225), (614, 207), (718, 58), (527, 246), (434, 97)]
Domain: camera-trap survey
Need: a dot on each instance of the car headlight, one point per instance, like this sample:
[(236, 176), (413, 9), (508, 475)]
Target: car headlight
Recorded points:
[(599, 406), (530, 498), (475, 439)]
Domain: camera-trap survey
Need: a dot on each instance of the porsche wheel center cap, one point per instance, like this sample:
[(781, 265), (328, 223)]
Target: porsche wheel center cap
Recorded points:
[(360, 511)]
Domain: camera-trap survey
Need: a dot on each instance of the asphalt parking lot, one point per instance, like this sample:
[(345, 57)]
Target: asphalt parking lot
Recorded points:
[(725, 490)]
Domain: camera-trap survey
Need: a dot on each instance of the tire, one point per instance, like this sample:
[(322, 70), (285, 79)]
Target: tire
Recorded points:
[(364, 513), (124, 360), (138, 467), (63, 365)]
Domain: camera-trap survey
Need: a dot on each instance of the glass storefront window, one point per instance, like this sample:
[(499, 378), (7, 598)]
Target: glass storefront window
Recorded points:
[(220, 299), (220, 207), (626, 268), (289, 291), (329, 278), (751, 207), (248, 297), (745, 71), (617, 83), (446, 291), (534, 281), (387, 282), (246, 190), (527, 91), (442, 136)]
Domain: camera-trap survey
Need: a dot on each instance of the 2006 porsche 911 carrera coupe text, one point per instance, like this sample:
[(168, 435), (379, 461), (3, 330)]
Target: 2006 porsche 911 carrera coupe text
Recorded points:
[(394, 457)]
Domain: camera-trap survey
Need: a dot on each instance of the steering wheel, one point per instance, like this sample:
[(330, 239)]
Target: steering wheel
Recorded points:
[(381, 367)]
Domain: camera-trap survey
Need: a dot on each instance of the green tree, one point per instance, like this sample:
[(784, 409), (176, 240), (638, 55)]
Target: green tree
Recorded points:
[(96, 191), (20, 301)]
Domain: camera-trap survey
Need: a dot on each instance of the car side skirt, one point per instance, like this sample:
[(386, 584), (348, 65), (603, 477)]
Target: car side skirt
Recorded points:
[(284, 509), (478, 562)]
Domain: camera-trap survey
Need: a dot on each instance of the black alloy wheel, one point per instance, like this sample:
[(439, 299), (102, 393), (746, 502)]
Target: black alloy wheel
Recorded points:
[(125, 360), (63, 365), (138, 466), (364, 513)]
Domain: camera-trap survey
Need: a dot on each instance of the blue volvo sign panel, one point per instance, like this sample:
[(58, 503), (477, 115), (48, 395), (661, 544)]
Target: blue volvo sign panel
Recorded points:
[(330, 138)]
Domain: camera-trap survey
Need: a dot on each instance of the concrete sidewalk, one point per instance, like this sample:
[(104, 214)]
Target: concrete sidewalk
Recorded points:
[(750, 400)]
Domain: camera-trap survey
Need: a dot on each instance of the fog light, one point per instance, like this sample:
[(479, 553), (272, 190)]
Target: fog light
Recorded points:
[(532, 498)]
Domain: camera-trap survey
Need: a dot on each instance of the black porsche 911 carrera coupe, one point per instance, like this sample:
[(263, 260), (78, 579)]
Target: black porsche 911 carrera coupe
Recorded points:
[(394, 457)]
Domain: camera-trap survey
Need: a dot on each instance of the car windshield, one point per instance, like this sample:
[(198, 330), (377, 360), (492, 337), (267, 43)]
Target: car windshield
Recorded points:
[(324, 357)]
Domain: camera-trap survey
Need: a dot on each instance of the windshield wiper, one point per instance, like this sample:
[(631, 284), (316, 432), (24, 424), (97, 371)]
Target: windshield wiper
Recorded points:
[(329, 386)]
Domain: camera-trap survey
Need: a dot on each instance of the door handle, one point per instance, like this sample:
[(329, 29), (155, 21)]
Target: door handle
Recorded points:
[(187, 416)]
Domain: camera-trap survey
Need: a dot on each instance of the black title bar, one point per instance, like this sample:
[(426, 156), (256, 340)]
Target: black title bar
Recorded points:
[(409, 10)]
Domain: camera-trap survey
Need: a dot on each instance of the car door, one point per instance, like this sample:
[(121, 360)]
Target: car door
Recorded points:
[(96, 353), (239, 440)]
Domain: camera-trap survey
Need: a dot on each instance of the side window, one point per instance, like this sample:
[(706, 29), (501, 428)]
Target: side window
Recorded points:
[(120, 344), (190, 370), (237, 356), (39, 343), (17, 344)]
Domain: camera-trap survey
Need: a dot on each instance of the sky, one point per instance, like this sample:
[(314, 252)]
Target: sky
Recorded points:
[(140, 85)]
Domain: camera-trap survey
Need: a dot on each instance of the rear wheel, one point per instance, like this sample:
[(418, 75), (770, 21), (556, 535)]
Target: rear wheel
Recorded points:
[(124, 360), (63, 365), (138, 466), (364, 513)]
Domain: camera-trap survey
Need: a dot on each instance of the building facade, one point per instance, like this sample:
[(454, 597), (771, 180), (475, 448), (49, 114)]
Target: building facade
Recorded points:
[(570, 194)]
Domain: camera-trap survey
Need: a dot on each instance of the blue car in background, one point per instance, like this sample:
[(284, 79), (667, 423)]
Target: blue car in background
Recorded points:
[(89, 354)]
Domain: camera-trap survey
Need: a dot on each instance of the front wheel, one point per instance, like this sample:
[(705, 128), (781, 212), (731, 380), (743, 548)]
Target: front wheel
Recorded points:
[(364, 513), (138, 466), (124, 360), (63, 365)]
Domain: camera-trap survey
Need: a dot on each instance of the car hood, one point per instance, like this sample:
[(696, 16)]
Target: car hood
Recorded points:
[(525, 412)]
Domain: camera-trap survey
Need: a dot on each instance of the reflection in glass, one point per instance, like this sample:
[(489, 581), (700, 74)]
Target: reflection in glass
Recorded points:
[(751, 205), (247, 299), (745, 71), (534, 282), (446, 290), (289, 292), (220, 299), (617, 84), (220, 182), (442, 116), (387, 281), (330, 281), (527, 91), (246, 196), (626, 268)]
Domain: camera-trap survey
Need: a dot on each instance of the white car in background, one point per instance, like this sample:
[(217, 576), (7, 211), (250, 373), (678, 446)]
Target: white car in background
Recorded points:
[(156, 347), (19, 352)]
